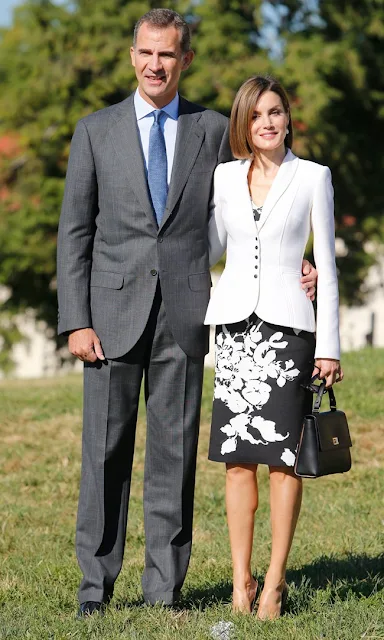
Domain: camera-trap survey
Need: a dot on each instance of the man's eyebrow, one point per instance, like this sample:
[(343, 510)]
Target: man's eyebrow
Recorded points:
[(161, 53)]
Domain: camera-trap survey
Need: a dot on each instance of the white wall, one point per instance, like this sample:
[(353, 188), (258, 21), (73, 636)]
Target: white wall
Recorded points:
[(356, 322)]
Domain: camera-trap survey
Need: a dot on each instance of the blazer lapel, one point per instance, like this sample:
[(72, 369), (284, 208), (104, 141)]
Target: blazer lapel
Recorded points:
[(126, 140), (280, 184), (243, 197), (189, 138)]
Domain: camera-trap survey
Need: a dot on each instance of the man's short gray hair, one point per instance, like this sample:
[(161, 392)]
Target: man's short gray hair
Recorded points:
[(163, 18)]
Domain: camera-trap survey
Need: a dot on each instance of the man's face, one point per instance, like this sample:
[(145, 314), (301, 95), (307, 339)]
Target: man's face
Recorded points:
[(159, 61)]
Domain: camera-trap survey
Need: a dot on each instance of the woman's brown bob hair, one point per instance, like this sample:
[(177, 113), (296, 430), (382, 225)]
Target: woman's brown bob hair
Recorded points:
[(242, 111)]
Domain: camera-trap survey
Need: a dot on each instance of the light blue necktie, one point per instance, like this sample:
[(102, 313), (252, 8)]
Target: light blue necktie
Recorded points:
[(157, 167)]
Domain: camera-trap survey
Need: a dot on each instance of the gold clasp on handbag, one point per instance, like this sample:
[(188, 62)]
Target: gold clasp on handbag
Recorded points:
[(335, 440)]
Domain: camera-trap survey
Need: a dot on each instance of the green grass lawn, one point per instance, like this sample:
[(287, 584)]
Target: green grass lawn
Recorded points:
[(336, 569)]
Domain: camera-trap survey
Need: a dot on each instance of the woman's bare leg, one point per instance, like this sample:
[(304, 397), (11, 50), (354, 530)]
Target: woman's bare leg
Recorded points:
[(241, 501), (285, 496)]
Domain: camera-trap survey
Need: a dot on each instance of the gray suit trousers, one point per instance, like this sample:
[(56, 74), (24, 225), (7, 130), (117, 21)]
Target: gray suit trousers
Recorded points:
[(173, 386)]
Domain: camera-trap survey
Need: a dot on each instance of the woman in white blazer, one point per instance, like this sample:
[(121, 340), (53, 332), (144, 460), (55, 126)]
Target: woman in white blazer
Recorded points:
[(263, 209)]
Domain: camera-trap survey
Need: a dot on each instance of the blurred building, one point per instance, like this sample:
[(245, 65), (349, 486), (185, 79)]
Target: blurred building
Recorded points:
[(362, 326)]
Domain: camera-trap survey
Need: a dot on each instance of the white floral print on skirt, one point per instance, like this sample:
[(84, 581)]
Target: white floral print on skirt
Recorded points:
[(259, 400)]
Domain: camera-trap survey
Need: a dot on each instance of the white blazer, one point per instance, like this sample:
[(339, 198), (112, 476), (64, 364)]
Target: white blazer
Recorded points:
[(263, 264)]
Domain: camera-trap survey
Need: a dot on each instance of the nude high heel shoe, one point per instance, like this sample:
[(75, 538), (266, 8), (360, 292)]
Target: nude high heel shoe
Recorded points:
[(252, 601), (273, 603)]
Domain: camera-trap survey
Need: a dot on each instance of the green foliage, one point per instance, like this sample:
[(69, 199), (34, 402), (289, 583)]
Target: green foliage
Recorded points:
[(9, 336), (225, 40), (61, 62), (56, 65), (334, 69)]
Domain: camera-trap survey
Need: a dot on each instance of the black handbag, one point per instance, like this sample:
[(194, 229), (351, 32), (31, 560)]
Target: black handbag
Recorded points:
[(325, 442)]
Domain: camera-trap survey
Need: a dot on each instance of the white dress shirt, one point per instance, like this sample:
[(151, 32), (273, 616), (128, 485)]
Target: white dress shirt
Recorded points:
[(168, 125)]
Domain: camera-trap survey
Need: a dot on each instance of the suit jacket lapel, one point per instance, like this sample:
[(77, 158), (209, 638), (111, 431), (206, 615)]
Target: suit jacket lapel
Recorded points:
[(126, 140), (280, 184), (189, 138)]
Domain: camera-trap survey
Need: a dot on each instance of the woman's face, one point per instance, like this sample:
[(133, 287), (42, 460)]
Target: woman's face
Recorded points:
[(269, 123)]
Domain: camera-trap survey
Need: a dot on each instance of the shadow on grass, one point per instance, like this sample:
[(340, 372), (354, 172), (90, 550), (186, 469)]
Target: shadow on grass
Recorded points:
[(192, 599), (361, 575), (219, 593)]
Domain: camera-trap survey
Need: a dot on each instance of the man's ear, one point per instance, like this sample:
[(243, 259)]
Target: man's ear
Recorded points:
[(132, 52), (187, 59)]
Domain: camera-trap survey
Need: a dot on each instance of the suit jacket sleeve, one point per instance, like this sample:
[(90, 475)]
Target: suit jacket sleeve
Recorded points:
[(327, 331), (217, 233), (76, 235), (225, 154)]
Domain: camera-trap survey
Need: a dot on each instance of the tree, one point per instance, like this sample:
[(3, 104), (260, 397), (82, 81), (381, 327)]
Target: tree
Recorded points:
[(59, 63), (56, 66), (333, 66)]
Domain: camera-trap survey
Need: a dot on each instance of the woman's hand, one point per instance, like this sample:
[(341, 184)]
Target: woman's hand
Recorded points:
[(328, 369)]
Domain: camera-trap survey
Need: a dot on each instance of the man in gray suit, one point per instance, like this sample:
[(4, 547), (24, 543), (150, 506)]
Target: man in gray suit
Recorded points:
[(133, 288), (134, 285)]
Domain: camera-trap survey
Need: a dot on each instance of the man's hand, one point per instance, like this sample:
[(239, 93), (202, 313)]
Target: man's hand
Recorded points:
[(85, 345), (309, 279)]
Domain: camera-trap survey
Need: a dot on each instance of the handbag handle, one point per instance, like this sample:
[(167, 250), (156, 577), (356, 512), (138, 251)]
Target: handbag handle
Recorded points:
[(321, 390)]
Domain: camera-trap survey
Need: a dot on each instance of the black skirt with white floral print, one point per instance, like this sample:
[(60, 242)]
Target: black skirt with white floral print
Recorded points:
[(259, 400)]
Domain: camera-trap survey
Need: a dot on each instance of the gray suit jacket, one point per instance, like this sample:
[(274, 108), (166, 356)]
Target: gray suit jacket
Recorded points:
[(111, 252)]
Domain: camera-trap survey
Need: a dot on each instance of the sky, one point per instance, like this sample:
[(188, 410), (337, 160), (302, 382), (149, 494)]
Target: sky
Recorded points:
[(6, 7)]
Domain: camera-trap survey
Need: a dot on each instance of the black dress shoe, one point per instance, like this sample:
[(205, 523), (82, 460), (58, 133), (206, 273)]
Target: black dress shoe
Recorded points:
[(89, 608)]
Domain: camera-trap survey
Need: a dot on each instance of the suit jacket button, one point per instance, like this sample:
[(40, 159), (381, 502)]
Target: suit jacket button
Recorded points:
[(160, 239), (153, 272), (255, 276)]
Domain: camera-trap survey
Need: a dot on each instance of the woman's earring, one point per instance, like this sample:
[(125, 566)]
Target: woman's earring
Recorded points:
[(286, 131)]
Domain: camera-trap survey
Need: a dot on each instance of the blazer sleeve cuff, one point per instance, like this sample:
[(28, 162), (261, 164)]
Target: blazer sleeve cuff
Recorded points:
[(328, 350)]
